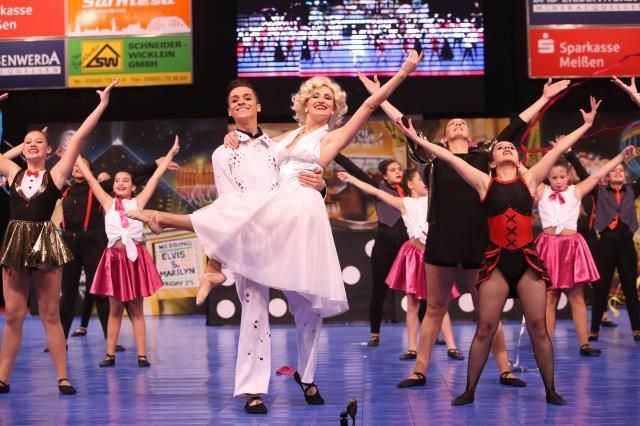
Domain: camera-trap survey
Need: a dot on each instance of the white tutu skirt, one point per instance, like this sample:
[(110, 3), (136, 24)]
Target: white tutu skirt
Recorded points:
[(281, 239)]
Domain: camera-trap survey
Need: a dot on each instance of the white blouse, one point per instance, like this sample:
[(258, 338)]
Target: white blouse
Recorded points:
[(560, 210), (129, 235), (415, 217)]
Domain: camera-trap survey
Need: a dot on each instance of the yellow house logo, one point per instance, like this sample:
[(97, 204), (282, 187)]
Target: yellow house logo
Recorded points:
[(102, 56)]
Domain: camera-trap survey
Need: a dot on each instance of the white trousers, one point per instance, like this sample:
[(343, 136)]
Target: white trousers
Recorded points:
[(253, 365)]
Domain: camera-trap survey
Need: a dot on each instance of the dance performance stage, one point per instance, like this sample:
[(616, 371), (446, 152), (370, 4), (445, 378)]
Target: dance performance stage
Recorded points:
[(191, 378)]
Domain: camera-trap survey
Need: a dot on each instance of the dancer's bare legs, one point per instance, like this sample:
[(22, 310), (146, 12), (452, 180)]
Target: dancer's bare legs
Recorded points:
[(158, 221), (15, 287)]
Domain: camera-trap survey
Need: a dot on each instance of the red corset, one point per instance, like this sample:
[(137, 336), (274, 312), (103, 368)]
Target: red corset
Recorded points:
[(510, 230)]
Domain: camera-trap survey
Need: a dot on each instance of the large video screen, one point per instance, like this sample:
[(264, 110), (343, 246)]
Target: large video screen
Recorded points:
[(277, 38)]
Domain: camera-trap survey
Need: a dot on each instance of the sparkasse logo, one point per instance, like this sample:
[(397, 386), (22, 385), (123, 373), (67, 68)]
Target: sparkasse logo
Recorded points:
[(102, 56)]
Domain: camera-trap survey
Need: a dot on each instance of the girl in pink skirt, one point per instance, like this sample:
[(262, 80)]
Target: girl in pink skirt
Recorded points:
[(563, 250), (407, 272), (126, 273)]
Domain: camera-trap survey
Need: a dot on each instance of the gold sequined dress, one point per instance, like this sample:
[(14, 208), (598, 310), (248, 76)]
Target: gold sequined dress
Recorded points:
[(31, 241)]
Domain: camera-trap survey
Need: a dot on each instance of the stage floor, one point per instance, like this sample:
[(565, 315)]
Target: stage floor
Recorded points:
[(191, 380)]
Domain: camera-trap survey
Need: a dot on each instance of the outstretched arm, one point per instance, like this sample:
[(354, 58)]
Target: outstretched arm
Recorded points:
[(588, 184), (629, 89), (62, 169), (474, 177), (8, 167), (338, 139), (353, 169), (393, 201), (147, 192), (372, 85), (101, 195), (549, 91), (539, 171)]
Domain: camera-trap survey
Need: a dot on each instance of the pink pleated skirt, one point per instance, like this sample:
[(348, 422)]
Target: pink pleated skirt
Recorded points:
[(122, 279), (407, 272), (568, 260)]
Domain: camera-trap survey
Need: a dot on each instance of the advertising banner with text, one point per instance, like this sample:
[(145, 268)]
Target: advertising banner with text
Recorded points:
[(32, 64), (31, 18), (127, 17), (583, 12), (135, 61), (583, 52)]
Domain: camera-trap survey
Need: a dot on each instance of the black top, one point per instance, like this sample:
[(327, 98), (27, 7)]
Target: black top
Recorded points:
[(502, 196), (74, 203), (38, 208), (391, 227)]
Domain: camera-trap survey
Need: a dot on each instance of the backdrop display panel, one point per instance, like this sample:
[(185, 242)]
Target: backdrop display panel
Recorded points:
[(342, 38), (583, 38)]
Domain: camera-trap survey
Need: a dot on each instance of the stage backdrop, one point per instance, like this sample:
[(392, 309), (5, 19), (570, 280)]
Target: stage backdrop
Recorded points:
[(178, 255)]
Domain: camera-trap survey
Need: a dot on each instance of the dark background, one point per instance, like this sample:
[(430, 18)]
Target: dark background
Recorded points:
[(507, 88)]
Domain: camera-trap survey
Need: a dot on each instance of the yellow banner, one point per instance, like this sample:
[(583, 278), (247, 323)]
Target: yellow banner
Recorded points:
[(132, 79)]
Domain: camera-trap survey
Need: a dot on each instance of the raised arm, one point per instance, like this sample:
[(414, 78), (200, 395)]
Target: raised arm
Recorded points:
[(393, 201), (549, 91), (354, 170), (588, 184), (14, 152), (7, 167), (474, 177), (147, 192), (372, 85), (338, 139), (62, 169), (100, 193), (540, 170), (629, 89)]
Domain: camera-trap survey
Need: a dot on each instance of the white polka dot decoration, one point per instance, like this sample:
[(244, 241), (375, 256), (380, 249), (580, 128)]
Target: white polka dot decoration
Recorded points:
[(351, 275), (230, 279), (465, 302), (277, 307), (508, 305), (562, 303), (368, 248), (225, 309), (403, 303)]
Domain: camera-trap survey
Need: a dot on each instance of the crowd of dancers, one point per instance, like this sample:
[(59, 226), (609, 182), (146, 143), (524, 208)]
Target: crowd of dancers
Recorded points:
[(463, 214)]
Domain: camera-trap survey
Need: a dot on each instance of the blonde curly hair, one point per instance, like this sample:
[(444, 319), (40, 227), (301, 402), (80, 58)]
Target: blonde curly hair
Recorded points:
[(306, 90)]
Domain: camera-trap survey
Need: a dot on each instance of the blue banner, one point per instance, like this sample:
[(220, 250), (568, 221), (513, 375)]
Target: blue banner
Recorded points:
[(584, 12), (32, 64)]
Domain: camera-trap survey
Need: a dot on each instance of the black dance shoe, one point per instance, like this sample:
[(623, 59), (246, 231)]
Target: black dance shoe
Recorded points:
[(410, 383), (608, 323), (554, 398), (586, 350), (636, 336), (79, 332), (120, 348), (373, 341), (593, 337), (511, 381), (312, 399), (455, 355), (440, 342), (465, 398), (143, 361), (66, 389), (258, 408), (408, 355), (4, 387), (108, 361)]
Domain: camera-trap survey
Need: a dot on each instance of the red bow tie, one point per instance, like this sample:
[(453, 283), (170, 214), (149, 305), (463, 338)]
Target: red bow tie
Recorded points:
[(558, 195), (32, 173)]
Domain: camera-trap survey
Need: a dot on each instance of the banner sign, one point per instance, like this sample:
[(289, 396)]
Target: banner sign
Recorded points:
[(583, 38), (91, 42), (179, 262), (32, 64), (584, 12), (582, 52), (135, 61), (127, 17), (31, 18)]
